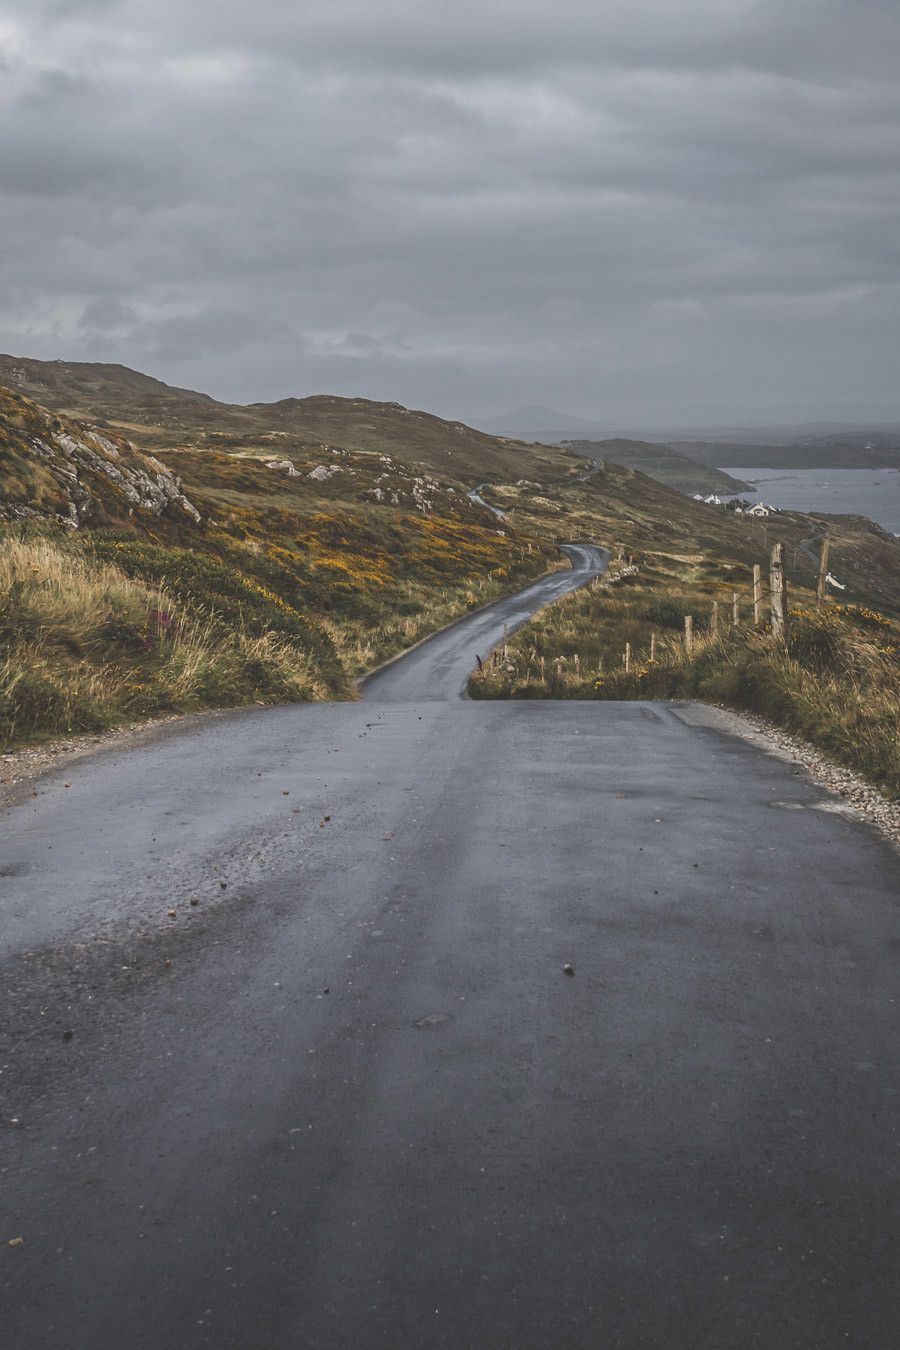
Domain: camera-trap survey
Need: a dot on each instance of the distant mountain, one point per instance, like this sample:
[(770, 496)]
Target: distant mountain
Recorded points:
[(536, 423), (662, 463)]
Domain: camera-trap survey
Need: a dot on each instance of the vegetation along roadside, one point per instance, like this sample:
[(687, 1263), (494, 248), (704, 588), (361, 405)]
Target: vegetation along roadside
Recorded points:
[(834, 679)]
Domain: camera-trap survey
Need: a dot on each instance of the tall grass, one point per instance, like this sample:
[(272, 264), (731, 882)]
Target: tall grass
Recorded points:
[(84, 647)]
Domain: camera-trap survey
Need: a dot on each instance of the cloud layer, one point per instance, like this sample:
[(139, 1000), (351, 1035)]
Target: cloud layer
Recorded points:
[(662, 210)]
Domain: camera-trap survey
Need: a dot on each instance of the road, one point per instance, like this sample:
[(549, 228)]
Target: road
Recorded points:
[(476, 497), (440, 667), (351, 1099)]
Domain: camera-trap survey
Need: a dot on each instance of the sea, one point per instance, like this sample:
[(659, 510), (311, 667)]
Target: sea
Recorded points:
[(858, 492)]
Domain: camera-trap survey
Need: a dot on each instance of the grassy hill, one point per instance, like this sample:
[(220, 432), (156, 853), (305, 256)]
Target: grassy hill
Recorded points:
[(663, 463), (157, 415)]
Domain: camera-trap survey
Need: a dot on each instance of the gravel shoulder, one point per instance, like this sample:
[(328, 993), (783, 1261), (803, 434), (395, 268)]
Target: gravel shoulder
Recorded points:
[(863, 800), (22, 768)]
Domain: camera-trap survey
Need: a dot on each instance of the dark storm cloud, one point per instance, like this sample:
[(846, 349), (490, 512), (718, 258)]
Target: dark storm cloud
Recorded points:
[(672, 208)]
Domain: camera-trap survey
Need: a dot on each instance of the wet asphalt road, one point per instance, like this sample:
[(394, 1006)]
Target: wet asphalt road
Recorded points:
[(350, 1099)]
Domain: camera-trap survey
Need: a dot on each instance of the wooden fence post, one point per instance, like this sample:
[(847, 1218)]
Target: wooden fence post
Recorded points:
[(627, 657), (822, 581), (735, 610), (689, 635), (653, 645), (757, 595), (714, 619), (778, 590)]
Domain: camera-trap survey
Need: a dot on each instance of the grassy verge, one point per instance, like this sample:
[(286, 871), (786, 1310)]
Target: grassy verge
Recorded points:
[(836, 681), (83, 647)]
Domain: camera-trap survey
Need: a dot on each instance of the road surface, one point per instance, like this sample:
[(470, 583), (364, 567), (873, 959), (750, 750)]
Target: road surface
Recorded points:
[(476, 497), (350, 1099)]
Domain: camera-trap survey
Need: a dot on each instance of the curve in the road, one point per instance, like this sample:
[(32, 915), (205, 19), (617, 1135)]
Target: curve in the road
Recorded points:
[(438, 668)]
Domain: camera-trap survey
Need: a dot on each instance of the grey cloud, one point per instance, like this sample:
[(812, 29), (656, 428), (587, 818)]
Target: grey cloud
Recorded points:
[(662, 205)]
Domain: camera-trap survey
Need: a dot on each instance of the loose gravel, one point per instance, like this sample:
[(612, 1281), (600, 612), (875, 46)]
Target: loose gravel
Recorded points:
[(871, 804)]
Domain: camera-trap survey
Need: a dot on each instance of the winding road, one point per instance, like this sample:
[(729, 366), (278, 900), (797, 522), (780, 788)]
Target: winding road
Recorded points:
[(351, 1099)]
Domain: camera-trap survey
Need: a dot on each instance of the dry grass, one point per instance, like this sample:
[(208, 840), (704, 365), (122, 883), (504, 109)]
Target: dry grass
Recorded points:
[(83, 647)]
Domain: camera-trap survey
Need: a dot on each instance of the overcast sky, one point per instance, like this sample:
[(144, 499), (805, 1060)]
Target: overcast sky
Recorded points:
[(637, 210)]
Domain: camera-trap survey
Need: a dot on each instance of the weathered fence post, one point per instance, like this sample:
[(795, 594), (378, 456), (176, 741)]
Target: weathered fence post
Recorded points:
[(822, 581), (689, 635), (714, 619), (627, 657), (735, 610), (653, 645), (777, 589), (757, 595)]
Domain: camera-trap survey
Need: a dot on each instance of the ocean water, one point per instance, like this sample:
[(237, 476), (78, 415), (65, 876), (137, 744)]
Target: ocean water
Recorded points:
[(859, 492)]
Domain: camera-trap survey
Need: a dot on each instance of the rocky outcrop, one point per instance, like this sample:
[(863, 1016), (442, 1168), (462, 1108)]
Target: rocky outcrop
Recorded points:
[(58, 468)]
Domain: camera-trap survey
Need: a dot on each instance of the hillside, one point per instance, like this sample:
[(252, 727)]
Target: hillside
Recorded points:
[(157, 415), (667, 465), (662, 463), (124, 593)]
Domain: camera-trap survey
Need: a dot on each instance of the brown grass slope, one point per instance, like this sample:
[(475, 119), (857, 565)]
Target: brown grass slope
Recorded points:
[(669, 466), (156, 416)]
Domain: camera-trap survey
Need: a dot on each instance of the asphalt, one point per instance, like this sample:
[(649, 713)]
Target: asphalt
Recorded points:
[(351, 1099)]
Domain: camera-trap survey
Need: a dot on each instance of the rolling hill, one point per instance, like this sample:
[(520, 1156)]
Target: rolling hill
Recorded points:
[(157, 415), (663, 463)]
